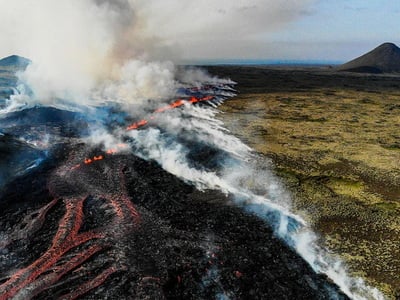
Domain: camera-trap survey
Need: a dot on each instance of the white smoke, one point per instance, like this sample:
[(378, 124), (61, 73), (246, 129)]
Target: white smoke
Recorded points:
[(86, 51), (197, 77), (248, 179), (208, 129), (101, 137), (171, 155), (138, 81), (78, 46), (68, 42)]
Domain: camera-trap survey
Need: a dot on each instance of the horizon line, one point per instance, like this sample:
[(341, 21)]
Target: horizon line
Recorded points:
[(244, 61)]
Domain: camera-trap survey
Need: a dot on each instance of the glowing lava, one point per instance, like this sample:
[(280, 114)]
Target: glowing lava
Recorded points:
[(143, 122), (177, 103), (72, 248)]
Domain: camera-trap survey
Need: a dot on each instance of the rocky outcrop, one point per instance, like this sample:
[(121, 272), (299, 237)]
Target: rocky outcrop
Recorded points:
[(14, 61)]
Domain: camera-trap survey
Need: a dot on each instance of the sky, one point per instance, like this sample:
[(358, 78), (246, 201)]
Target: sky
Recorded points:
[(338, 30), (328, 30), (199, 29)]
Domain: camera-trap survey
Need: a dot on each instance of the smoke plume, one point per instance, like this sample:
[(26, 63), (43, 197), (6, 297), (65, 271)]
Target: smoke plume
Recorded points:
[(78, 46)]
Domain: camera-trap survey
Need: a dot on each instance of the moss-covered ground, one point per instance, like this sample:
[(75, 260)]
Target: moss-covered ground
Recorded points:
[(335, 140)]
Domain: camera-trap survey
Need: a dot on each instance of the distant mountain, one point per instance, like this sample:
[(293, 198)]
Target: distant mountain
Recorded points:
[(14, 61), (383, 59)]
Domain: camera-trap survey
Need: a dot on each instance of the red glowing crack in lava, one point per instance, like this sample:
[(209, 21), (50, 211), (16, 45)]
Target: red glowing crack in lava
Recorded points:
[(51, 266), (70, 248), (143, 122)]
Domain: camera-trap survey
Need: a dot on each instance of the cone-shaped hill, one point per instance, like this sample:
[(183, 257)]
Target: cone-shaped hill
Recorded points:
[(383, 59), (14, 61)]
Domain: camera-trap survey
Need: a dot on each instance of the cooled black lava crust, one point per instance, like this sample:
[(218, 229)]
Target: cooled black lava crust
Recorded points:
[(188, 244)]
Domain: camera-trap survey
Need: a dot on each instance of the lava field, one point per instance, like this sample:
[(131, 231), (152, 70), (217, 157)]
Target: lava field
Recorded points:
[(123, 228)]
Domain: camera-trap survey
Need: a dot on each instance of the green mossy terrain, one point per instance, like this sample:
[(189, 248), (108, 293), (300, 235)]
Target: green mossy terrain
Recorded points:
[(335, 140)]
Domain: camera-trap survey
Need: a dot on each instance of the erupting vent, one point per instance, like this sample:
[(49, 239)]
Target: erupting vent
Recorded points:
[(76, 247), (144, 122)]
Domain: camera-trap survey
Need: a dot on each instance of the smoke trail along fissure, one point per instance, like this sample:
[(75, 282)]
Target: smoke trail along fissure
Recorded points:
[(265, 198)]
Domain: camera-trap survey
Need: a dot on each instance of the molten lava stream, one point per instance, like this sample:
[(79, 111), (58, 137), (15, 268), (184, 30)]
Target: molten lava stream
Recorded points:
[(141, 123), (70, 249), (177, 103), (47, 270)]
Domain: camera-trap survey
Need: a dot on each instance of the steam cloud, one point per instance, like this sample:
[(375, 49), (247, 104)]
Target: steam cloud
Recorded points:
[(78, 46)]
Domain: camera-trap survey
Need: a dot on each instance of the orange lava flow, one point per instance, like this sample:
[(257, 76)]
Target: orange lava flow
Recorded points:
[(71, 249), (90, 160), (66, 238), (137, 125), (52, 265), (177, 103), (141, 123), (181, 102)]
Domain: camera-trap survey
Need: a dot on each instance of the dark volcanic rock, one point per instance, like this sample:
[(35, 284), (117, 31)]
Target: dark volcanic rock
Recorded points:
[(383, 59), (14, 61), (49, 120), (16, 158), (123, 228)]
